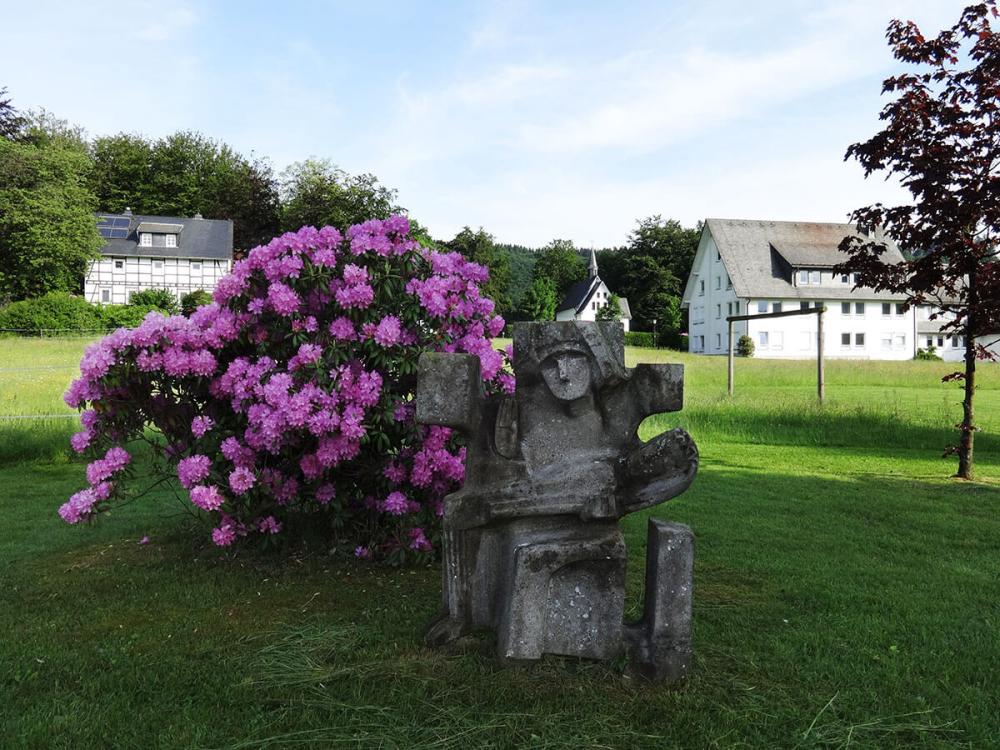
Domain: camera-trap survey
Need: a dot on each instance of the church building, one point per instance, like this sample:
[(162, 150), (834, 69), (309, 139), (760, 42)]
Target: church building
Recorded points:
[(586, 297)]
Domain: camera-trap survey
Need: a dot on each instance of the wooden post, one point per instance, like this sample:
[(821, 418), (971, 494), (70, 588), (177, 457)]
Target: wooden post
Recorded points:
[(820, 375), (730, 358)]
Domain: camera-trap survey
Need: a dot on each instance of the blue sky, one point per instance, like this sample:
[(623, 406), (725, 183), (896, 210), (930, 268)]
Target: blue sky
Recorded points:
[(533, 120)]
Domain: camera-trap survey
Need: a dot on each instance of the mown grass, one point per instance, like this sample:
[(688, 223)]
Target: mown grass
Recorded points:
[(847, 594)]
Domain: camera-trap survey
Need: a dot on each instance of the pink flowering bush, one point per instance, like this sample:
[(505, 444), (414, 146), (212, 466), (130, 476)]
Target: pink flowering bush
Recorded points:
[(290, 396)]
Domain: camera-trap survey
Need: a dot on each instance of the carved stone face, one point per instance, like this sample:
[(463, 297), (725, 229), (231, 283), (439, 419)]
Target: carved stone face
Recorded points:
[(567, 374)]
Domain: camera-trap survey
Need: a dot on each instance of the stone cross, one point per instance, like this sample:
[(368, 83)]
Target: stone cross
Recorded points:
[(532, 548)]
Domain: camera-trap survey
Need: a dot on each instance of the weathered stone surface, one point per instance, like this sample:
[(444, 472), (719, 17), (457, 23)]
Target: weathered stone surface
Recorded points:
[(532, 548)]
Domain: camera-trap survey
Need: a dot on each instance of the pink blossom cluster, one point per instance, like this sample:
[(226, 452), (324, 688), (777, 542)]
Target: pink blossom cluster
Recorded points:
[(292, 392)]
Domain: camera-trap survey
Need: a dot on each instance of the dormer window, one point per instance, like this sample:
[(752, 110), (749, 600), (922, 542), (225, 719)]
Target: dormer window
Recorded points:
[(809, 277), (171, 240), (146, 239)]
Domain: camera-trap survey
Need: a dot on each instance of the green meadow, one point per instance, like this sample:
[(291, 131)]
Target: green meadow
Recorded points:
[(847, 594)]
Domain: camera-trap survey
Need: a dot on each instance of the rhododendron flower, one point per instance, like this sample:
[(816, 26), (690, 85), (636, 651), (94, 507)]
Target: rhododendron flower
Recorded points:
[(207, 497), (269, 525), (224, 535), (201, 425), (387, 332), (418, 541), (240, 480), (80, 441), (396, 503), (193, 469)]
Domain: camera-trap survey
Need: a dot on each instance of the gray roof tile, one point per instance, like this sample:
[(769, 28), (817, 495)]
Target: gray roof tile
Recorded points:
[(760, 257), (210, 239)]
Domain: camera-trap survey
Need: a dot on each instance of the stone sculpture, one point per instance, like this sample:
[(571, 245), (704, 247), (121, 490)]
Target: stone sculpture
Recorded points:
[(532, 549)]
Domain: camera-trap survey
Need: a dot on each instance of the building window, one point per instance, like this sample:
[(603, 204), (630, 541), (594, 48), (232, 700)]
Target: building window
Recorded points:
[(718, 255), (718, 341), (803, 277), (701, 287), (777, 307), (845, 339), (899, 308), (886, 308), (146, 239), (171, 240), (762, 307), (196, 265), (729, 282), (119, 264), (701, 343), (940, 342), (593, 305), (157, 265), (729, 308), (954, 342), (762, 338), (105, 295), (845, 308), (900, 341), (718, 282), (859, 308), (845, 278), (737, 308), (886, 340), (718, 311), (859, 339), (930, 341), (815, 277), (803, 305)]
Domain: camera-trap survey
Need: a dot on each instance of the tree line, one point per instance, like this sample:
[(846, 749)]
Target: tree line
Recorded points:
[(53, 178)]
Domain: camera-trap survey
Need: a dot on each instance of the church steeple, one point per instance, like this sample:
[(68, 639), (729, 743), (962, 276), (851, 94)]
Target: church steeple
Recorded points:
[(593, 264)]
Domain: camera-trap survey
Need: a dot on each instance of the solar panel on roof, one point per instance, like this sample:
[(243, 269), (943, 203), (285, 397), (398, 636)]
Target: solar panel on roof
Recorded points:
[(121, 223), (105, 232), (104, 221), (119, 234)]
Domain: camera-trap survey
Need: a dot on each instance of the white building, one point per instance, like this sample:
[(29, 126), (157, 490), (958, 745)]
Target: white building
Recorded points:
[(749, 267), (158, 252), (585, 298)]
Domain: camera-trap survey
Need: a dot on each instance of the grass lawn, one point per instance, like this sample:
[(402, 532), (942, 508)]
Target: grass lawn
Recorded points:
[(847, 594)]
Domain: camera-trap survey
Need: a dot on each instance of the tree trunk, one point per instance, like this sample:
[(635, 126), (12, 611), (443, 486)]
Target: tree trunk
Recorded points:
[(968, 426)]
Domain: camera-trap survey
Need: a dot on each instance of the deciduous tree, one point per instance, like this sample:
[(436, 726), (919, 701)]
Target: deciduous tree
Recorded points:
[(942, 141), (560, 262), (318, 193), (47, 226)]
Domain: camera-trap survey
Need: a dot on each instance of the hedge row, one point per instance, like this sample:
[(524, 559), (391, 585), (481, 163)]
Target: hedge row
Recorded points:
[(67, 313)]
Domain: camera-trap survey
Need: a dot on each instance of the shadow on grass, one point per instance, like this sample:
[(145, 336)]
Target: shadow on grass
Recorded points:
[(36, 440), (879, 431)]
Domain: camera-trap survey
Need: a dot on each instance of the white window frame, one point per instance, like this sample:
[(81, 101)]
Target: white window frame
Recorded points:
[(105, 296), (171, 240), (145, 239)]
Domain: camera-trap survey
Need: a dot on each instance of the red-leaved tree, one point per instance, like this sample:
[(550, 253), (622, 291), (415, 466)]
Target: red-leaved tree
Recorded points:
[(942, 140)]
